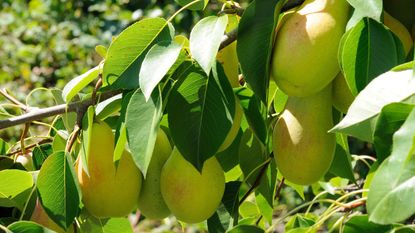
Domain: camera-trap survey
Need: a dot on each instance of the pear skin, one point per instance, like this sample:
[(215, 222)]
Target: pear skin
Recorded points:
[(304, 58), (400, 30), (40, 216), (108, 191), (151, 202), (341, 94), (192, 196), (302, 147)]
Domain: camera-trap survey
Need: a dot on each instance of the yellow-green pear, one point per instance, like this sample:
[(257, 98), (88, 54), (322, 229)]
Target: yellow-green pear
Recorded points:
[(304, 58), (192, 196), (151, 202), (302, 147), (233, 132), (40, 216), (400, 30), (341, 94), (108, 191), (228, 56), (26, 161)]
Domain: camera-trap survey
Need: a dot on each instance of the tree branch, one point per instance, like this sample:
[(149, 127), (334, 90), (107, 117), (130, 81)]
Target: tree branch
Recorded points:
[(38, 114)]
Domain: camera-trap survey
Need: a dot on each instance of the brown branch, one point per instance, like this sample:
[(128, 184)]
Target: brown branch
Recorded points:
[(279, 188), (44, 141), (73, 138), (352, 205), (228, 38), (38, 114)]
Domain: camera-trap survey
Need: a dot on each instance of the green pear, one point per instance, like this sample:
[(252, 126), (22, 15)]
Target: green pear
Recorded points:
[(302, 147), (304, 58), (400, 31), (341, 94), (108, 191), (190, 195), (26, 160), (40, 216), (151, 202)]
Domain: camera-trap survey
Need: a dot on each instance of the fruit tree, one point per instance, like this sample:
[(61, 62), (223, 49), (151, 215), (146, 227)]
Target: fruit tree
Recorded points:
[(265, 116)]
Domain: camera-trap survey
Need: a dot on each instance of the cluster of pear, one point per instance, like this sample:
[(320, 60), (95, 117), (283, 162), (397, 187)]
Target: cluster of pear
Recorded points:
[(305, 67), (172, 185)]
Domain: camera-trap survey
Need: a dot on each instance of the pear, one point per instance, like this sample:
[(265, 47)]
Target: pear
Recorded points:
[(400, 30), (40, 216), (108, 191), (302, 147), (151, 202), (304, 58), (341, 94), (190, 195)]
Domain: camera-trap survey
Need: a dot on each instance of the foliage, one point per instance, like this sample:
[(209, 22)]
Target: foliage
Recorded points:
[(156, 66)]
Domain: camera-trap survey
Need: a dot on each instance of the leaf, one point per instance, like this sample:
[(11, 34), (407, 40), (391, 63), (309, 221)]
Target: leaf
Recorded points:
[(254, 111), (392, 189), (368, 50), (57, 189), (87, 122), (246, 229), (265, 192), (359, 224), (3, 147), (205, 39), (101, 50), (389, 121), (109, 106), (201, 111), (74, 86), (126, 51), (28, 227), (230, 199), (15, 187), (368, 8), (40, 154), (255, 41), (90, 223), (142, 122), (342, 164), (157, 62), (390, 87), (197, 5)]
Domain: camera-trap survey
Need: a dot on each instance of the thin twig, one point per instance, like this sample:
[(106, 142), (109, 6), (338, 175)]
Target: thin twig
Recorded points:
[(23, 136), (14, 100), (228, 38), (73, 138), (255, 184), (279, 188), (39, 114), (44, 141)]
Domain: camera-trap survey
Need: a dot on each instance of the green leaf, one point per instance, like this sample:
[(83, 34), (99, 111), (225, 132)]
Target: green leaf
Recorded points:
[(197, 5), (369, 8), (219, 221), (360, 224), (368, 50), (28, 227), (265, 192), (142, 122), (254, 112), (255, 41), (201, 110), (390, 87), (342, 162), (68, 119), (89, 223), (246, 229), (122, 61), (74, 86), (230, 199), (101, 50), (157, 62), (15, 187), (108, 107), (87, 123), (57, 189), (3, 147), (392, 189), (205, 39), (40, 154), (389, 121)]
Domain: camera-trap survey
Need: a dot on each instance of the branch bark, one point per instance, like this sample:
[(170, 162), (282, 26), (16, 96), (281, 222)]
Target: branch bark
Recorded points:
[(38, 114)]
